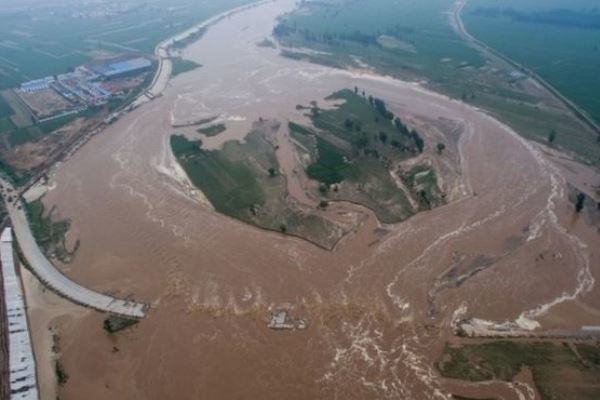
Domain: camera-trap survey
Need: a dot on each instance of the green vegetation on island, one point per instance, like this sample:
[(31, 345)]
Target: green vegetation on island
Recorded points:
[(423, 183), (61, 374), (213, 130), (114, 323), (181, 66), (242, 180), (357, 148), (49, 232), (354, 149)]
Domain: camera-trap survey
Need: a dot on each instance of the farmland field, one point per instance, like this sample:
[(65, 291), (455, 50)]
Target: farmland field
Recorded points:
[(397, 36), (36, 41), (549, 364), (416, 41), (558, 39)]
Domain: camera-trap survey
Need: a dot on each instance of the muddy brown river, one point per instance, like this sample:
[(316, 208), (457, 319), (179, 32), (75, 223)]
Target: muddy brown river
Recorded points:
[(379, 308)]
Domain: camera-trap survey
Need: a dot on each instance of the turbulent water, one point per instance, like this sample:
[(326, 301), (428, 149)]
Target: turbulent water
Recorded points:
[(379, 307)]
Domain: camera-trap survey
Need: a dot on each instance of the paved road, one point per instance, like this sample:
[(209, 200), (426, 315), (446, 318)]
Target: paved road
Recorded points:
[(53, 278), (582, 115)]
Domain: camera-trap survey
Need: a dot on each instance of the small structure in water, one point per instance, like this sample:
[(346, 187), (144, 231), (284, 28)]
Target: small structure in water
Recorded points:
[(281, 319)]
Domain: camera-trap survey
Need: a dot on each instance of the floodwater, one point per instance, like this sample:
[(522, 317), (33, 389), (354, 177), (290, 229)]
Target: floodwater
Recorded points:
[(379, 307)]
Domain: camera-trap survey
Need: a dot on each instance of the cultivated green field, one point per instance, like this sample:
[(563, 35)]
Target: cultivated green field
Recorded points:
[(558, 39), (415, 41), (49, 39), (243, 181), (560, 372), (399, 37)]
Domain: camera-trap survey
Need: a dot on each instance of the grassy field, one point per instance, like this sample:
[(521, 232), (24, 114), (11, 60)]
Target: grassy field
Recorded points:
[(45, 40), (242, 180), (561, 46), (358, 143), (557, 371), (230, 184), (415, 41), (181, 66), (403, 36)]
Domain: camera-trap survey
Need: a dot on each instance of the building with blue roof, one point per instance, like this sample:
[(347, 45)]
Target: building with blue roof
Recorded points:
[(116, 69)]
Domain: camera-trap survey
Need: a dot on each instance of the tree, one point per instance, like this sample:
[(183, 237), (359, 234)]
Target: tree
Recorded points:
[(552, 136), (272, 172), (323, 204), (418, 140), (440, 147), (362, 141), (355, 89), (420, 144), (579, 201), (383, 137), (283, 228), (400, 126)]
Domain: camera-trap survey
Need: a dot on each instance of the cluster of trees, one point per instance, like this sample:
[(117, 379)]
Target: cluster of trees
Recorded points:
[(382, 109), (334, 39), (413, 134)]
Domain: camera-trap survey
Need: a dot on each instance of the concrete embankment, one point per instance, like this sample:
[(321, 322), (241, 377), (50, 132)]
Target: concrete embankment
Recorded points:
[(51, 276)]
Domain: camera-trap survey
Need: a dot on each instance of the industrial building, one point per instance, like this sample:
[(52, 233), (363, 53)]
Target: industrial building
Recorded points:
[(120, 68), (87, 85), (37, 85)]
